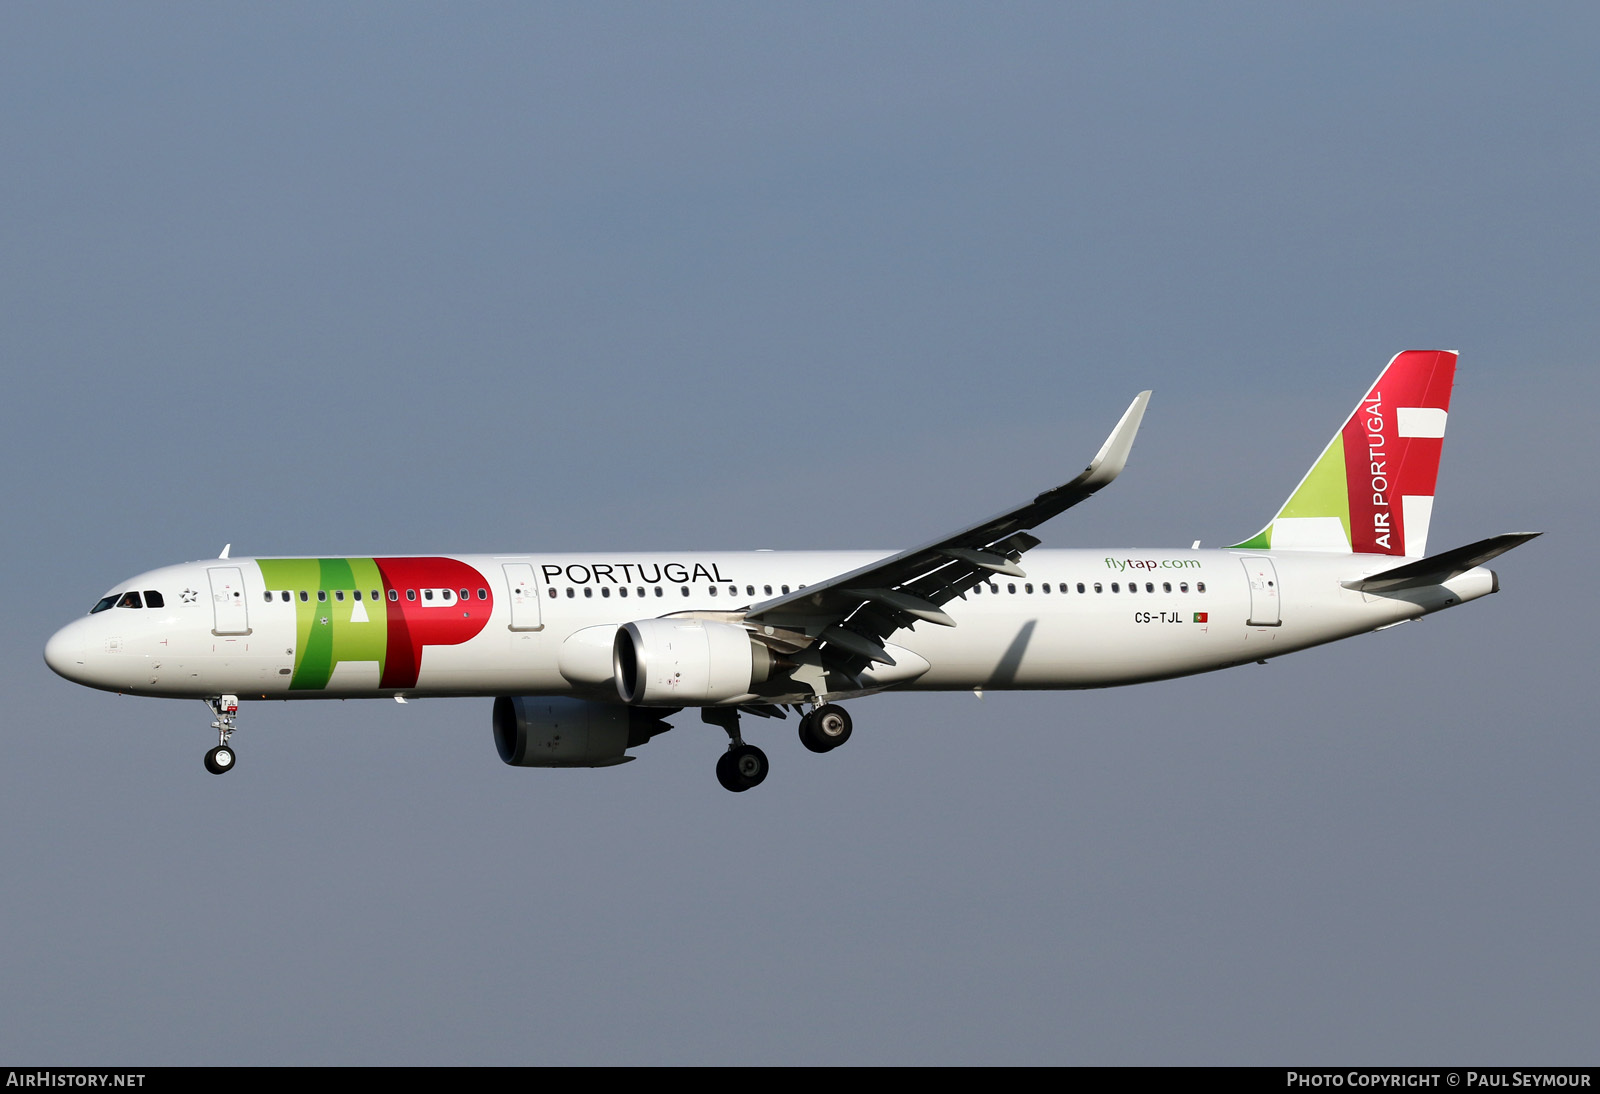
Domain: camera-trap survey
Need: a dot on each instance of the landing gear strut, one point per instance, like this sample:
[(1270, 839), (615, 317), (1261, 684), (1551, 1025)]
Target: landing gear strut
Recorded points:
[(742, 766), (219, 761), (825, 728)]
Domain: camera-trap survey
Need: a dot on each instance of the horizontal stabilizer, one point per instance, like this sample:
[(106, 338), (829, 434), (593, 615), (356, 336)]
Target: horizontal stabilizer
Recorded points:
[(1437, 569)]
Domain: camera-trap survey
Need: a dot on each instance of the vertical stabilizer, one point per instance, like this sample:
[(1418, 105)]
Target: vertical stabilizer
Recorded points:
[(1371, 491)]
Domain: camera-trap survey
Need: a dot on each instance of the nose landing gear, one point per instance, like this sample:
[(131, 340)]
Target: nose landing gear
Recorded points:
[(219, 761)]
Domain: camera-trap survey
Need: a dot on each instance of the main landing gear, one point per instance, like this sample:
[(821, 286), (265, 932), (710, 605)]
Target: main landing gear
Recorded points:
[(825, 728), (743, 766), (219, 761)]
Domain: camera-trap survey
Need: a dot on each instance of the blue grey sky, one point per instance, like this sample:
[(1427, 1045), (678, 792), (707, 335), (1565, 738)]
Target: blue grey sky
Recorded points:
[(329, 278)]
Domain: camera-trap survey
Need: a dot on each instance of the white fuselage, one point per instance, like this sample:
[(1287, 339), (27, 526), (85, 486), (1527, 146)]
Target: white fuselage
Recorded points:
[(1080, 619)]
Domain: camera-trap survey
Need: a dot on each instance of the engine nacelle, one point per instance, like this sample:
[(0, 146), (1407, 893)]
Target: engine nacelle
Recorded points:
[(533, 731), (687, 662)]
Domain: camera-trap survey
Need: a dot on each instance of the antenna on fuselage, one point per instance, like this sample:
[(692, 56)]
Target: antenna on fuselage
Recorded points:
[(226, 547)]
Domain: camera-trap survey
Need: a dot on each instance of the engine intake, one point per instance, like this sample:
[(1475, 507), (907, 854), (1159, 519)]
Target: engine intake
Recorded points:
[(687, 662), (534, 731)]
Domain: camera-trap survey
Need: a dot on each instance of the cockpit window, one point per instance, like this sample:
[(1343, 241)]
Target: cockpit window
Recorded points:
[(153, 599), (130, 599), (105, 602)]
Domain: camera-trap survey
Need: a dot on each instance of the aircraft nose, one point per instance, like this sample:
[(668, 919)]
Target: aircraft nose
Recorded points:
[(67, 652)]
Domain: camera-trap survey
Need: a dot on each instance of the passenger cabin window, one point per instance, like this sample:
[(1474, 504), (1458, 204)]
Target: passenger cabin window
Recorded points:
[(338, 594), (1166, 586), (394, 594), (267, 596), (1199, 586), (304, 596), (1183, 586), (322, 596), (411, 594), (1080, 587), (1098, 589)]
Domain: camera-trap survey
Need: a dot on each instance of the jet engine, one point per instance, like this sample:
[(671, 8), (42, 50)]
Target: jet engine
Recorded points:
[(534, 731), (684, 662)]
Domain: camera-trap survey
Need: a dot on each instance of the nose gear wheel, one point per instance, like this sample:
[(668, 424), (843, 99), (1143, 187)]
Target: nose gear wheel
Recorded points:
[(219, 761)]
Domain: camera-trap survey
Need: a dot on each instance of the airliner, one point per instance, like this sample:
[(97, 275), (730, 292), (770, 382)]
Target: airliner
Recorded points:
[(586, 655)]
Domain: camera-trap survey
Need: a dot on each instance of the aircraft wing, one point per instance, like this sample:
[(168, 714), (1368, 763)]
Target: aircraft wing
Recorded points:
[(853, 613)]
